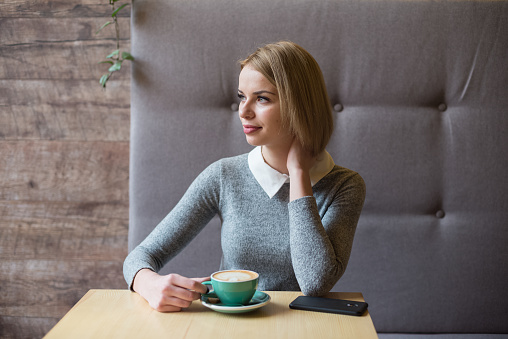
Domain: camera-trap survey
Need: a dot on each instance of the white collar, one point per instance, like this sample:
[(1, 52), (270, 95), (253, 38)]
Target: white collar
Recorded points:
[(272, 180)]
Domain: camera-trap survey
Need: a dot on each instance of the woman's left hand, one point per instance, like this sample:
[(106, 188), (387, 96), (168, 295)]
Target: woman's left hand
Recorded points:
[(299, 163), (298, 158)]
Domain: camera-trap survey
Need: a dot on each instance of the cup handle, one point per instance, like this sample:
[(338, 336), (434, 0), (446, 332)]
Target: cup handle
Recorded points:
[(211, 293)]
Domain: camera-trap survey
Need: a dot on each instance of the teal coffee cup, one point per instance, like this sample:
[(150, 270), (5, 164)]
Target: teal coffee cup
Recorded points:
[(233, 287)]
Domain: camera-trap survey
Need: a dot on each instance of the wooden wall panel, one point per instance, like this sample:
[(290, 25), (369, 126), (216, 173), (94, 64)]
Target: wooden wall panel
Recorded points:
[(64, 160), (69, 238), (56, 9), (63, 209), (37, 288), (64, 93), (63, 171), (76, 121), (68, 60), (47, 30), (25, 327)]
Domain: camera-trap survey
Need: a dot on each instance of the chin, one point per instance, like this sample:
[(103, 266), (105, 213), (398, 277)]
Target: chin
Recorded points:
[(253, 142)]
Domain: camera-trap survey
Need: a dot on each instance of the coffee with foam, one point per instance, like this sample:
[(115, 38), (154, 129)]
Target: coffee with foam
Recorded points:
[(235, 275)]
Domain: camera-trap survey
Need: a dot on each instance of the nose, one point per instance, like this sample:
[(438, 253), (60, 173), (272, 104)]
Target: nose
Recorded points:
[(245, 110)]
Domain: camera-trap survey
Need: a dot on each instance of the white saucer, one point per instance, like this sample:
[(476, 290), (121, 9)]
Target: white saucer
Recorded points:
[(259, 299)]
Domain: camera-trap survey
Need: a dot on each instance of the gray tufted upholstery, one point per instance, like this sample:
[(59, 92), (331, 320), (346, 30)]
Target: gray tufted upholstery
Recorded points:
[(420, 91)]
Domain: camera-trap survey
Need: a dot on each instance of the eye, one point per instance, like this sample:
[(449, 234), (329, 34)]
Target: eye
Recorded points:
[(263, 99), (241, 96)]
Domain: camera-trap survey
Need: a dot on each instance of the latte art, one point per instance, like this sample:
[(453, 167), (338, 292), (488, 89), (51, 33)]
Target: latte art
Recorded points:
[(237, 275)]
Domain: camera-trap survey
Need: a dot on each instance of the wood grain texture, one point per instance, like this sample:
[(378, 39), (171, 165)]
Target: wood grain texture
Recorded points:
[(45, 30), (71, 122), (25, 327), (15, 210), (69, 238), (64, 93), (57, 9), (64, 171), (64, 160), (49, 288), (67, 60), (103, 314)]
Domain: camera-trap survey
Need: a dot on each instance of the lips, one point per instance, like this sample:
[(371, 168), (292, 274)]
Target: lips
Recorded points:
[(248, 129)]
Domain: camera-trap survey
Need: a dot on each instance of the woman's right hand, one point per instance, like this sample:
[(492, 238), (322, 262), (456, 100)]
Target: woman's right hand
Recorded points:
[(168, 293)]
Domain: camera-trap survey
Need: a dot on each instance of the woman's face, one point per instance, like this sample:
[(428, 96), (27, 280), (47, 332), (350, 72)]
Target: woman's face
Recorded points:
[(260, 110)]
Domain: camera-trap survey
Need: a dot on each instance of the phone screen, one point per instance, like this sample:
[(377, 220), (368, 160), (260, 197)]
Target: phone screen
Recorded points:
[(329, 305)]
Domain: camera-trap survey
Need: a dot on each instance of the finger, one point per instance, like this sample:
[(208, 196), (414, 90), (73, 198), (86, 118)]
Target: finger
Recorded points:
[(177, 302), (184, 288), (189, 284), (200, 280), (199, 287), (182, 293), (165, 304), (168, 308)]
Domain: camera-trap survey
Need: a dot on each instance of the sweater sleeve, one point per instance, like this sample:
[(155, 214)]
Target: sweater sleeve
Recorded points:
[(197, 207), (321, 245)]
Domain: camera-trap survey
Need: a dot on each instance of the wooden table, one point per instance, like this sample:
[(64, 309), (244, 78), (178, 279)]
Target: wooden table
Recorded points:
[(124, 314)]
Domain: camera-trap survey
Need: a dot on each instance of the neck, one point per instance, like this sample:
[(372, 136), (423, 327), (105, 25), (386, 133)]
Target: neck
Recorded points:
[(276, 158)]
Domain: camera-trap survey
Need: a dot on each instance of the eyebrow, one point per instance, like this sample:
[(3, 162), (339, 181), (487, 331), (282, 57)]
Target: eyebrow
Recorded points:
[(259, 92)]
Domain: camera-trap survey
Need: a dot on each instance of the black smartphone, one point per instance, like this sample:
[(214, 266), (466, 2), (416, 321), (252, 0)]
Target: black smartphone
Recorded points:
[(329, 305)]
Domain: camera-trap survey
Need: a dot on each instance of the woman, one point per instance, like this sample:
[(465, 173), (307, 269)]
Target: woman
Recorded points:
[(288, 212)]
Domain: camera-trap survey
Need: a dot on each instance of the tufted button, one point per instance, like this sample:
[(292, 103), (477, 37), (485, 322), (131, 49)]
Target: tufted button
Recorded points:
[(234, 107), (442, 107), (338, 107), (440, 214)]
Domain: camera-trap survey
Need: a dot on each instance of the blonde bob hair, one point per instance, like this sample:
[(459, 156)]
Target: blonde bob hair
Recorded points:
[(304, 104)]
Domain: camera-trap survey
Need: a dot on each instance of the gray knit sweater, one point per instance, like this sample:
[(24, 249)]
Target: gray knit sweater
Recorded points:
[(303, 245)]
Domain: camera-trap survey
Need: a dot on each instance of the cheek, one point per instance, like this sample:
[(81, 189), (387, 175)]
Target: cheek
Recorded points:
[(272, 115)]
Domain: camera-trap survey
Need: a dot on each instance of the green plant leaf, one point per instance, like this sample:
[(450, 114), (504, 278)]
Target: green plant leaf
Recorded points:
[(106, 62), (127, 56), (106, 24), (113, 54), (115, 67), (104, 79), (117, 10)]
